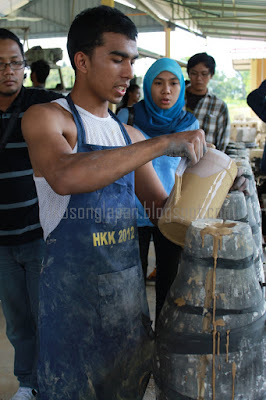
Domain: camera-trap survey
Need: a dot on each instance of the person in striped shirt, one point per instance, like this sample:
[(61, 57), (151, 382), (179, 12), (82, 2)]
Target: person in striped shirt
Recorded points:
[(21, 243), (211, 112)]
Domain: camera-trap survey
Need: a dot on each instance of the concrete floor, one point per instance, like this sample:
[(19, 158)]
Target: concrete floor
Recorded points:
[(9, 384)]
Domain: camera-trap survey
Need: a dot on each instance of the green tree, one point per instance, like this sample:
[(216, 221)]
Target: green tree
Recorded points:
[(228, 88)]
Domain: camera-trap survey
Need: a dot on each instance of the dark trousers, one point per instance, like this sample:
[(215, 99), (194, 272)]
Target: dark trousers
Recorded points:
[(167, 260), (19, 293)]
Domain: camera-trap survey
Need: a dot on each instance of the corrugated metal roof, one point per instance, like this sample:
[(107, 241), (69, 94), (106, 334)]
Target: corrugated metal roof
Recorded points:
[(227, 18), (56, 16), (235, 19)]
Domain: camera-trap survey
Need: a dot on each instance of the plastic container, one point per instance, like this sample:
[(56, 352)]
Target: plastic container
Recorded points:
[(198, 193)]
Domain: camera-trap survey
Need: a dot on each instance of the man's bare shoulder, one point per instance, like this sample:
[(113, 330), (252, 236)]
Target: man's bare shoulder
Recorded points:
[(50, 117), (48, 120), (135, 134)]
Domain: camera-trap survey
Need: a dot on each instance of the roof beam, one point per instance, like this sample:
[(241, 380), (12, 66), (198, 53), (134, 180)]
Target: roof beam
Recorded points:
[(216, 7), (141, 4), (236, 36), (168, 13), (244, 20), (207, 28)]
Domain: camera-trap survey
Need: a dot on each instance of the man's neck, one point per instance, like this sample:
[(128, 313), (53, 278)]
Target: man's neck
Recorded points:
[(6, 101), (39, 86), (81, 99), (197, 92)]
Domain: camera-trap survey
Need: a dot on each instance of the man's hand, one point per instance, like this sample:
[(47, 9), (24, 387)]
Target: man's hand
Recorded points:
[(190, 144), (240, 183)]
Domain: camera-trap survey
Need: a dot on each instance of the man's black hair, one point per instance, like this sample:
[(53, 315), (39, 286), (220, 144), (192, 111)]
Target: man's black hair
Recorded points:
[(41, 69), (204, 58), (6, 34), (86, 31)]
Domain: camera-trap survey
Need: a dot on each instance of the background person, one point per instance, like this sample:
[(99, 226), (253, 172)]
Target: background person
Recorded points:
[(257, 102), (161, 112), (95, 331), (210, 111), (132, 96), (39, 72), (21, 244)]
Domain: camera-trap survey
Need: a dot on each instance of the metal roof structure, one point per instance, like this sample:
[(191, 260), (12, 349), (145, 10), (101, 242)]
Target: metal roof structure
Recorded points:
[(236, 19)]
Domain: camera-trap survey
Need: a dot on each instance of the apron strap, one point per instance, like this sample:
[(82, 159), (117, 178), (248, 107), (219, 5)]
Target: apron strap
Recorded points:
[(123, 129), (78, 121)]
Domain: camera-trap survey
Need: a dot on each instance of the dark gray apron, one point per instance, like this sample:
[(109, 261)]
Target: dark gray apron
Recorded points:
[(95, 333)]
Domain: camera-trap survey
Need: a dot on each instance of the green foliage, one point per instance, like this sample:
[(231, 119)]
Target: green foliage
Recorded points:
[(230, 88), (233, 90)]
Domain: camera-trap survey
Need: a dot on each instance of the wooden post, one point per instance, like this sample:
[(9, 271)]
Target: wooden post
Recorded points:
[(109, 3), (167, 41)]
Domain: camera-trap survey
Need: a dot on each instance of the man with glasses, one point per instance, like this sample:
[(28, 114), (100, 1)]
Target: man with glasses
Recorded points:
[(211, 112), (21, 243)]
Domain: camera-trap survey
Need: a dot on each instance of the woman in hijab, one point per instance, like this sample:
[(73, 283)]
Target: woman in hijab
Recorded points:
[(161, 112)]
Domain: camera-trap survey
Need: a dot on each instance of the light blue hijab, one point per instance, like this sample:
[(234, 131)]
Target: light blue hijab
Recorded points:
[(150, 118)]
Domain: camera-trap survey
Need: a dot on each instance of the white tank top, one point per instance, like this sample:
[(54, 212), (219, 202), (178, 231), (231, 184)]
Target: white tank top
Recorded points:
[(99, 131)]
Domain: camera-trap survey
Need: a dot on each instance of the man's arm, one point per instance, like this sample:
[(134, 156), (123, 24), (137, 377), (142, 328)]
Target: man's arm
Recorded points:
[(224, 128), (48, 132)]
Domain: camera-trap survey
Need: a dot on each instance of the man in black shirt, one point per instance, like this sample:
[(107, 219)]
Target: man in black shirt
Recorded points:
[(21, 243)]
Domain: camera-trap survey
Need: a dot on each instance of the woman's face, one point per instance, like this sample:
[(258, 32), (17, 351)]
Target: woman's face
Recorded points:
[(165, 90), (134, 97)]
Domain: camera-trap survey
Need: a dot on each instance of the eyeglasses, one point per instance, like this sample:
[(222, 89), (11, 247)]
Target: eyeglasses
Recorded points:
[(14, 65), (195, 74)]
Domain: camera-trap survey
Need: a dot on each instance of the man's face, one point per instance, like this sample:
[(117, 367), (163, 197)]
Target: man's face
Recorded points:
[(199, 76), (110, 68), (10, 80)]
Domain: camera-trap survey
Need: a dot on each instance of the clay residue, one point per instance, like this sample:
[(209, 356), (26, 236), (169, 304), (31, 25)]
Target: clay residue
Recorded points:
[(222, 296), (218, 343), (206, 326), (201, 375), (227, 345), (196, 279), (220, 322), (177, 188), (233, 377), (180, 301), (217, 231)]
